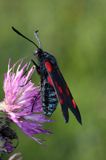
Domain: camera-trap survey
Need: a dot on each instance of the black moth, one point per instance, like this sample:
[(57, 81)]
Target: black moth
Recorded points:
[(53, 85)]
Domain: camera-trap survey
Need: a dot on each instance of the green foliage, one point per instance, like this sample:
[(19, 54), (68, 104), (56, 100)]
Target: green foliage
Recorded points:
[(75, 32)]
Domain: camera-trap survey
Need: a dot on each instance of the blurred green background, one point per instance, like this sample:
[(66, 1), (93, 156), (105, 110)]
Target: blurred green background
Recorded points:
[(75, 32)]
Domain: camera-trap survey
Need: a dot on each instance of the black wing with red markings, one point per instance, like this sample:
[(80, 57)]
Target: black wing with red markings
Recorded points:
[(64, 95), (47, 62)]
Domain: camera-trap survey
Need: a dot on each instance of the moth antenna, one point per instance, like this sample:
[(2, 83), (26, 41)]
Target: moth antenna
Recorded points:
[(15, 30), (37, 38)]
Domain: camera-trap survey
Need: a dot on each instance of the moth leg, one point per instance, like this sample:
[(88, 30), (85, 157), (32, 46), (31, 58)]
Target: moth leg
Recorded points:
[(36, 65), (33, 104)]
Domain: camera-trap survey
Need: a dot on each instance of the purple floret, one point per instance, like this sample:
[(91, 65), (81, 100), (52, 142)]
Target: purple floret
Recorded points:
[(22, 101)]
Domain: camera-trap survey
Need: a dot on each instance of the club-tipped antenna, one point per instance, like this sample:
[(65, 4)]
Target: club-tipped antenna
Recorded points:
[(15, 30), (37, 38)]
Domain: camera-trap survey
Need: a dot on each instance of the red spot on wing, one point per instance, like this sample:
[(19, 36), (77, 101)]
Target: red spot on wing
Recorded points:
[(48, 66), (74, 104), (61, 101), (60, 89), (50, 80)]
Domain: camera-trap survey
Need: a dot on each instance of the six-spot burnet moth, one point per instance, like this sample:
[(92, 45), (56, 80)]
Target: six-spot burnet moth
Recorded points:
[(53, 86)]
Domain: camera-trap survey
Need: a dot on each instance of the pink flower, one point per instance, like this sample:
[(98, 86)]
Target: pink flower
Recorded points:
[(22, 102)]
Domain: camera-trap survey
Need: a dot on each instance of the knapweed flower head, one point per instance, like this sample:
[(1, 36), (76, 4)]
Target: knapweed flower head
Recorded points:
[(22, 102)]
